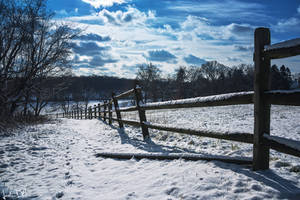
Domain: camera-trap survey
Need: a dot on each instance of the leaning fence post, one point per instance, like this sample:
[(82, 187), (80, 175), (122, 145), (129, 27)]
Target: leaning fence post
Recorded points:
[(104, 114), (142, 113), (118, 113), (109, 112), (261, 107)]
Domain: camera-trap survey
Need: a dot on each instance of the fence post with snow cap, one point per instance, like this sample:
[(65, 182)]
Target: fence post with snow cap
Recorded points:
[(118, 113), (142, 113)]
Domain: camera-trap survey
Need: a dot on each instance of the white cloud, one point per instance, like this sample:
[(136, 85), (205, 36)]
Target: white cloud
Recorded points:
[(133, 38), (286, 25), (129, 16), (103, 3), (86, 19), (199, 27)]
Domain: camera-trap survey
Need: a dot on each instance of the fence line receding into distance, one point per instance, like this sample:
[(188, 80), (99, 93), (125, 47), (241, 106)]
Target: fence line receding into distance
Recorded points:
[(262, 98)]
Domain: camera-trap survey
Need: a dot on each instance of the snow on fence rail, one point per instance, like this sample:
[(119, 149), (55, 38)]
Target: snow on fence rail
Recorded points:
[(262, 98), (283, 49)]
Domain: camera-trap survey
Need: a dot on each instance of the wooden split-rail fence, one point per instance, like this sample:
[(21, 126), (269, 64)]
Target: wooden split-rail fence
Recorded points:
[(262, 98)]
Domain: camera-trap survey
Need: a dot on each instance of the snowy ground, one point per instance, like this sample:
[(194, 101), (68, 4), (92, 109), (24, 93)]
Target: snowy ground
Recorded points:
[(56, 160)]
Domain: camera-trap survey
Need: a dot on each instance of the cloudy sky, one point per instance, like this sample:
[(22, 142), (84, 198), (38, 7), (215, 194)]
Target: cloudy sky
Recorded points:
[(119, 35)]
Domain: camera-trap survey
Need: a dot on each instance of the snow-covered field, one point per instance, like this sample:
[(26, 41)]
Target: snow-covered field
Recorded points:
[(57, 160)]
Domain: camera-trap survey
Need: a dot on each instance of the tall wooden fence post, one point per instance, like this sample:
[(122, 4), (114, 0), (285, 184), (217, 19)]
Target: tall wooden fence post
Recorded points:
[(104, 114), (90, 112), (110, 113), (99, 111), (95, 111), (77, 112), (72, 114), (85, 112), (261, 107), (80, 113), (118, 113), (142, 113)]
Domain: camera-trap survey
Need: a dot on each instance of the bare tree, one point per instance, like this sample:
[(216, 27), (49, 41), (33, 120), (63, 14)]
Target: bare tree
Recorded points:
[(148, 76), (32, 48)]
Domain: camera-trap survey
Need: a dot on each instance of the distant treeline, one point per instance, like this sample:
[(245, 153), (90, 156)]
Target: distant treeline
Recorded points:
[(209, 79), (84, 88)]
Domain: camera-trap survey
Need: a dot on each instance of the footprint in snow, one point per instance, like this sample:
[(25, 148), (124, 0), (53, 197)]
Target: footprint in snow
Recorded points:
[(172, 191)]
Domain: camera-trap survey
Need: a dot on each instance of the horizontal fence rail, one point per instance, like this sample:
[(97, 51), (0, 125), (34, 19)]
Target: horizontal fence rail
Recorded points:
[(283, 145), (283, 49), (125, 94), (262, 98), (210, 101), (283, 97)]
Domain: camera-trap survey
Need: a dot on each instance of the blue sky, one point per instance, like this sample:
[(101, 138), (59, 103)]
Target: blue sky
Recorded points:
[(119, 35)]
